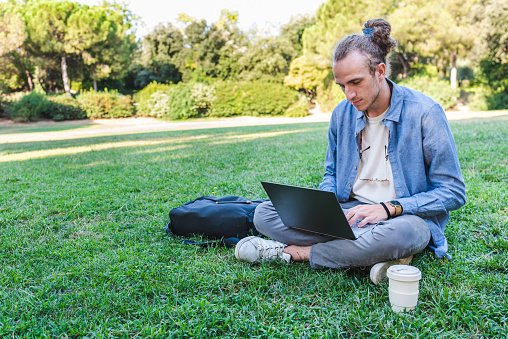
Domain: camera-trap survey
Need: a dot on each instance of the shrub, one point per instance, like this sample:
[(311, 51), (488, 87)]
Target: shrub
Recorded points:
[(254, 98), (142, 97), (158, 104), (498, 99), (63, 107), (6, 102), (103, 105), (180, 102), (299, 108), (329, 97), (203, 97), (435, 88), (29, 108)]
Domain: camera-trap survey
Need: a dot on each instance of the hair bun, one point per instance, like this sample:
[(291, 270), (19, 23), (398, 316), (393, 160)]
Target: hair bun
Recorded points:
[(379, 31)]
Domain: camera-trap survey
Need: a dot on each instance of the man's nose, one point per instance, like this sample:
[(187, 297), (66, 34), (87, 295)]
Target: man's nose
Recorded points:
[(350, 94)]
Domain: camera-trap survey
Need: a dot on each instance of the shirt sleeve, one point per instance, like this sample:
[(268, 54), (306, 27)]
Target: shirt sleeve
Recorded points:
[(329, 182), (447, 189)]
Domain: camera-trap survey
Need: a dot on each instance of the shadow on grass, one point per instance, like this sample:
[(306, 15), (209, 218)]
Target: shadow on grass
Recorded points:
[(150, 141)]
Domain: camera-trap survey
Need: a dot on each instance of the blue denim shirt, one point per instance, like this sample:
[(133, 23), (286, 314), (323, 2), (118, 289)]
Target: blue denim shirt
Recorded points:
[(422, 153)]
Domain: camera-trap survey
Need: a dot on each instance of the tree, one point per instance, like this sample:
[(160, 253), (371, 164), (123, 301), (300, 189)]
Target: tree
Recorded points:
[(101, 36), (47, 29), (491, 17), (293, 31), (159, 56), (12, 36), (438, 29), (266, 59), (304, 75)]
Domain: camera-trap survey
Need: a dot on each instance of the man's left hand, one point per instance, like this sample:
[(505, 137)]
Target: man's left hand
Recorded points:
[(371, 214)]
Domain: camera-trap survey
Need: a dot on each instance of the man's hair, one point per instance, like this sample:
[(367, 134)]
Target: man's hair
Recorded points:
[(375, 43)]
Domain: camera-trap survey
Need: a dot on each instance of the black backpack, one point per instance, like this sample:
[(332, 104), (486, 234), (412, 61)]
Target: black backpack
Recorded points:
[(227, 218)]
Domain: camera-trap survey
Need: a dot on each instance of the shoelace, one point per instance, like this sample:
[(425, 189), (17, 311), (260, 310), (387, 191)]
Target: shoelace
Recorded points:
[(268, 252)]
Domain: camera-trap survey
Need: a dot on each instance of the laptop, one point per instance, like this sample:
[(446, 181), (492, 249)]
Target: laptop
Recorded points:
[(312, 210)]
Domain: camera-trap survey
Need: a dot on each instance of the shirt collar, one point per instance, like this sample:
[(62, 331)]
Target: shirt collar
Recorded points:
[(393, 113)]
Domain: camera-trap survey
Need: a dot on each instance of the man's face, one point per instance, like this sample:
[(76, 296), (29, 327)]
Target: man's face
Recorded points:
[(353, 76)]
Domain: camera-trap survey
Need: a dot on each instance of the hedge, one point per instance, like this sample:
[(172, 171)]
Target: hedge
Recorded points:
[(254, 98), (106, 105)]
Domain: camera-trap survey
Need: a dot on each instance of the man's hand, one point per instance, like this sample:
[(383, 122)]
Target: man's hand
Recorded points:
[(371, 214)]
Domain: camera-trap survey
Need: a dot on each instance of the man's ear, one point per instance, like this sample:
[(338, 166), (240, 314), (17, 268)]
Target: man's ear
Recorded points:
[(381, 71)]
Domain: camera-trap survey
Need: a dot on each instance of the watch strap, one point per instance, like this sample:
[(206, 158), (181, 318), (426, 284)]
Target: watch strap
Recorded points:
[(386, 209)]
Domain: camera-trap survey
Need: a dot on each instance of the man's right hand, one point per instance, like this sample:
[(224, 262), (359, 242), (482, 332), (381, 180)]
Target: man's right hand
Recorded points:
[(371, 214)]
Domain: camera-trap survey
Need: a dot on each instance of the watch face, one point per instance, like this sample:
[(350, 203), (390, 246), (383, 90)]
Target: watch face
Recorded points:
[(395, 203)]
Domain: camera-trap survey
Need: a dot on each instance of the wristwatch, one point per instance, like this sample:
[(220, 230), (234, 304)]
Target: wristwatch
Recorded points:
[(398, 207)]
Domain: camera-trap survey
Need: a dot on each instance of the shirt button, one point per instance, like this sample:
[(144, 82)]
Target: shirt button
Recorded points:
[(349, 185), (343, 200), (355, 167)]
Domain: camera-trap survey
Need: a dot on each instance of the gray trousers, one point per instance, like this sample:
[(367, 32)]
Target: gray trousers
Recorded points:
[(391, 239)]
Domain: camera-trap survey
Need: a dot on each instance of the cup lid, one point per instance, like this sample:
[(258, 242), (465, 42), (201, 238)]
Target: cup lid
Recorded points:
[(404, 273)]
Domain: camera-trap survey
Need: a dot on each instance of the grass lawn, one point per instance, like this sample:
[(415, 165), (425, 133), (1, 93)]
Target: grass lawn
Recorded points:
[(83, 252)]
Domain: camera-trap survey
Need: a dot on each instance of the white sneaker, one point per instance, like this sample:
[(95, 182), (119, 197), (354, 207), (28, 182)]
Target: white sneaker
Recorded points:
[(378, 271), (255, 250)]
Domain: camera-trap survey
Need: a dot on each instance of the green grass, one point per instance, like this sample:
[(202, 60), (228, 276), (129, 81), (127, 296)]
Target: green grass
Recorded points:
[(56, 127), (83, 252)]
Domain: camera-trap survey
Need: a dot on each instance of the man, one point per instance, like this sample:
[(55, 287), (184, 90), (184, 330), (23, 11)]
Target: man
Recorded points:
[(391, 161)]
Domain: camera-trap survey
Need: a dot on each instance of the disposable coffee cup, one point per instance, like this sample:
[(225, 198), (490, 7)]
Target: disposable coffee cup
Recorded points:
[(403, 287)]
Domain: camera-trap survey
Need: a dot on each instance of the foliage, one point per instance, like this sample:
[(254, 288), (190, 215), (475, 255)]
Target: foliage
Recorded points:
[(203, 97), (477, 98), (255, 98), (306, 74), (103, 38), (106, 105), (180, 103), (294, 29), (170, 54), (266, 59), (435, 88), (329, 97), (63, 107), (142, 97), (157, 61), (158, 104), (29, 108), (298, 109), (492, 51), (96, 42), (483, 98), (12, 36)]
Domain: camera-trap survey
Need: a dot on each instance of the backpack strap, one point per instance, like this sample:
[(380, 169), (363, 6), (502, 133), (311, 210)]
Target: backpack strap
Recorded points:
[(227, 242)]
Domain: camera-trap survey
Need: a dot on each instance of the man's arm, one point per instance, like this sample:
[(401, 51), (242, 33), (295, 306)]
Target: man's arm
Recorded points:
[(329, 182), (443, 169), (442, 166)]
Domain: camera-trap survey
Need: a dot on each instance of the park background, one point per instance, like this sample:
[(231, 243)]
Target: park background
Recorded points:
[(65, 60), (83, 252)]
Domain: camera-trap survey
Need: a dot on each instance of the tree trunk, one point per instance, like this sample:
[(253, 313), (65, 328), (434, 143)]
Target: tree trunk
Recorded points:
[(94, 84), (405, 65), (30, 83), (65, 77), (453, 72)]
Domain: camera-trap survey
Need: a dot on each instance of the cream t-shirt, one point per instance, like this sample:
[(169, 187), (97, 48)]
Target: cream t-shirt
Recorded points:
[(374, 164)]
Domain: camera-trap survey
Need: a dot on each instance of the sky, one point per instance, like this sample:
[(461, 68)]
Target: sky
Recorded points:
[(264, 15)]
